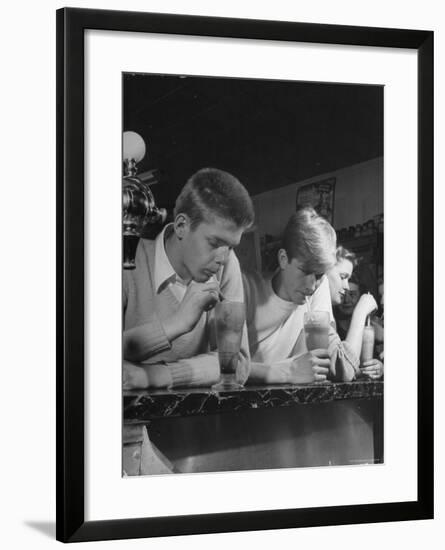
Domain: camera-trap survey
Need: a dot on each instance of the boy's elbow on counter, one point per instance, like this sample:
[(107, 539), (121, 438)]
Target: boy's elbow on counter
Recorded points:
[(131, 350)]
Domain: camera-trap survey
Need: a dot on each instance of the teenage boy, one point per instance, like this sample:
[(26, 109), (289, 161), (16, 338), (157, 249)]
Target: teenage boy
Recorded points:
[(179, 277)]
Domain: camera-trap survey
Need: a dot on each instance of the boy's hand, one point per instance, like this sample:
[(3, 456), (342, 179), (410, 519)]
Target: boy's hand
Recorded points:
[(198, 298)]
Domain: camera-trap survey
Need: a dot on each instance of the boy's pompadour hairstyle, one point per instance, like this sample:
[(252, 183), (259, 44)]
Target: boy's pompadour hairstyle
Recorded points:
[(311, 239), (211, 192)]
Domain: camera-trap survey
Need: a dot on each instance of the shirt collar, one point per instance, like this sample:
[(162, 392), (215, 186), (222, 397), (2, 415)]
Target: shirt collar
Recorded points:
[(163, 271)]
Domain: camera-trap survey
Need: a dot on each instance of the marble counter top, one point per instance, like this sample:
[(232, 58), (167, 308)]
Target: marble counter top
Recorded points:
[(143, 406)]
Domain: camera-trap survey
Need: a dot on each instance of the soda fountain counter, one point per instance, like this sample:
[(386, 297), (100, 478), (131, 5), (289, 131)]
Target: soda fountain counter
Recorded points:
[(201, 430)]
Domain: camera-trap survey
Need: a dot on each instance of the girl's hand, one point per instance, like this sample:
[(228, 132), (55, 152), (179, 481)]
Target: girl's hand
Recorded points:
[(366, 304), (372, 369)]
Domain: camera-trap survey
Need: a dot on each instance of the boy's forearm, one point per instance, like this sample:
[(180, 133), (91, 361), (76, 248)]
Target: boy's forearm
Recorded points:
[(142, 342), (261, 373)]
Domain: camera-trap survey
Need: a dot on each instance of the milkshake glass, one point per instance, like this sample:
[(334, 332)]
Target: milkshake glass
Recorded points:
[(316, 329), (229, 320)]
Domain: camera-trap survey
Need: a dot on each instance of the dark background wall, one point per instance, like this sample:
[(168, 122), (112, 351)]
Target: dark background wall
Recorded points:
[(270, 134)]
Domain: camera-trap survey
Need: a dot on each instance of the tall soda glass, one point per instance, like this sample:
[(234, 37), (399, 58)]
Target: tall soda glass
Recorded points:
[(316, 329), (229, 320)]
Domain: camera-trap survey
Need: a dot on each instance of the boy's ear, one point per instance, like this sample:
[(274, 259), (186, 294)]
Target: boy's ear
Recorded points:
[(283, 260), (181, 225)]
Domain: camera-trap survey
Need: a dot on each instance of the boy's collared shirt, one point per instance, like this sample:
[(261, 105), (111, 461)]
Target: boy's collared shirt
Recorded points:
[(164, 274)]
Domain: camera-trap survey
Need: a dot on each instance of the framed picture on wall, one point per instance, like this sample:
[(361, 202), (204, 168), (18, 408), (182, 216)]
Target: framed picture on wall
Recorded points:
[(320, 195), (96, 51)]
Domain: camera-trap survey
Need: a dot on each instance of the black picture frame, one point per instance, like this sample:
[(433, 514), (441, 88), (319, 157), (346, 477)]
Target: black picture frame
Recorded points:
[(71, 24)]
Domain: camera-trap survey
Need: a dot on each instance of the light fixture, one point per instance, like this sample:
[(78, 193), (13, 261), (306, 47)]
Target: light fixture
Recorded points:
[(138, 203), (133, 148)]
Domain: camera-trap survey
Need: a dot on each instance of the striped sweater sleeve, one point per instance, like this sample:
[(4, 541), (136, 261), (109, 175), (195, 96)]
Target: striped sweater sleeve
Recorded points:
[(141, 341), (344, 362)]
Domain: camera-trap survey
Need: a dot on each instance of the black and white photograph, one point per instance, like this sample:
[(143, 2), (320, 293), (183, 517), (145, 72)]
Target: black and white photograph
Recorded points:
[(223, 259), (253, 274)]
